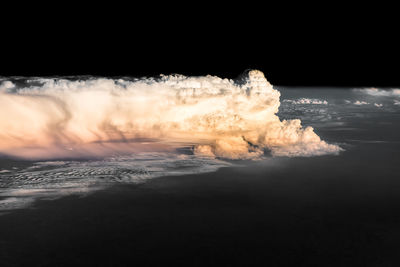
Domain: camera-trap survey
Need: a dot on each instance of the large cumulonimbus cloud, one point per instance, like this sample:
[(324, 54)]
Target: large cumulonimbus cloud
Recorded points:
[(92, 116)]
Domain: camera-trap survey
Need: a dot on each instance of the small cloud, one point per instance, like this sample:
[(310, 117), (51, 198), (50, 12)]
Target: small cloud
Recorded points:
[(4, 86), (359, 103), (305, 101)]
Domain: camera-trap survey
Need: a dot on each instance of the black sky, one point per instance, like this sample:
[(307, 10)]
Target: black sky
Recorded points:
[(292, 47)]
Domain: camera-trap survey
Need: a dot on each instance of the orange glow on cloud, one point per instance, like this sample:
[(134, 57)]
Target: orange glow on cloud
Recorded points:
[(94, 117)]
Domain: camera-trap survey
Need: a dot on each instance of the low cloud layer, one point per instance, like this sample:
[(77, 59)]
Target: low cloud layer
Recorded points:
[(306, 101), (45, 118), (379, 92)]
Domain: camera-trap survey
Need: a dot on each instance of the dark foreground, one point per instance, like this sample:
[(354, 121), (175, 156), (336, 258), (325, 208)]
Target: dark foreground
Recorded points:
[(322, 211)]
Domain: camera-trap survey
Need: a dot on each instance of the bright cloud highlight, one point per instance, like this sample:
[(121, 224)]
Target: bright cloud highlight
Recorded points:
[(50, 118)]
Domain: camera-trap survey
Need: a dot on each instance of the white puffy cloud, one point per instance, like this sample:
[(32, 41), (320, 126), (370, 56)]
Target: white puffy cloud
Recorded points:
[(97, 116), (4, 86)]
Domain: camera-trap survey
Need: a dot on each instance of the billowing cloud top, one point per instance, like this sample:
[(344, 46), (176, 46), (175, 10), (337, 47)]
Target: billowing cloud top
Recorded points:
[(95, 116)]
